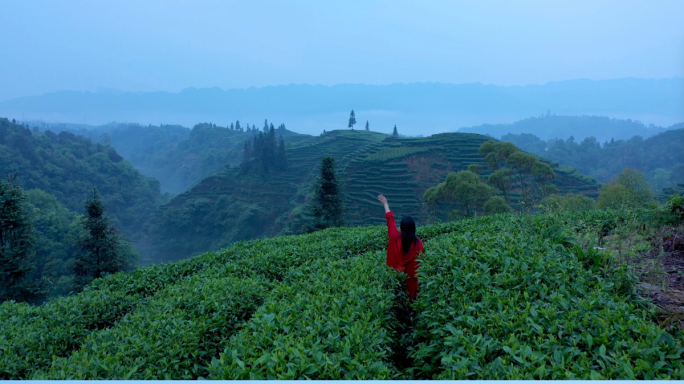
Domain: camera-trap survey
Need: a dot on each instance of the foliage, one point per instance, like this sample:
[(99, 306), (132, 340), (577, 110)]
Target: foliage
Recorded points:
[(317, 325), (197, 315), (16, 246), (496, 204), (57, 231), (508, 164), (101, 246), (567, 203), (69, 166), (658, 157), (324, 306), (571, 320), (675, 204), (352, 120), (263, 153), (327, 205), (628, 190), (464, 190)]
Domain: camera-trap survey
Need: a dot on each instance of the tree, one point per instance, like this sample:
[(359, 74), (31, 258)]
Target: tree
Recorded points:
[(497, 153), (101, 246), (496, 204), (327, 206), (475, 168), (367, 126), (352, 119), (237, 126), (501, 179), (395, 133), (464, 190), (232, 127), (629, 190), (282, 155), (16, 246)]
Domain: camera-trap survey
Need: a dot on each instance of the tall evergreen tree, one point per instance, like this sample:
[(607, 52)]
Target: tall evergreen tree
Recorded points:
[(16, 246), (282, 154), (232, 127), (327, 205), (367, 126), (352, 119), (265, 129), (237, 126), (395, 133), (101, 246)]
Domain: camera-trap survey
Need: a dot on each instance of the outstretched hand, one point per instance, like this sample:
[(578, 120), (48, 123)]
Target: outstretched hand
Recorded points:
[(382, 199)]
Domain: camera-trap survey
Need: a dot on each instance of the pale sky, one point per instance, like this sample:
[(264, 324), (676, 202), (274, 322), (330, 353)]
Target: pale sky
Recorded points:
[(159, 45)]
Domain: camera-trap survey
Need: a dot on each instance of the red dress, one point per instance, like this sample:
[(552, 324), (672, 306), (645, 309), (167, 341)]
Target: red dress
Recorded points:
[(396, 258)]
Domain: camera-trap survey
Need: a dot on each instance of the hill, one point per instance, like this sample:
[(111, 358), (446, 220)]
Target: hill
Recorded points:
[(501, 297), (418, 108), (552, 127), (660, 157), (176, 156), (231, 206), (69, 167)]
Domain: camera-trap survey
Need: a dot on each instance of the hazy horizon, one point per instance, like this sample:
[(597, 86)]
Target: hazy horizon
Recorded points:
[(170, 46)]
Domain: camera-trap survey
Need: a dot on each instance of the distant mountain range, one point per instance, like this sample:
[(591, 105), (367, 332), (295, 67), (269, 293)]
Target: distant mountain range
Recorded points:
[(552, 127), (419, 108)]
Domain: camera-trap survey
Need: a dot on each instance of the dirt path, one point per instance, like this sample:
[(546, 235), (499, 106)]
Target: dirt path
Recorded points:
[(671, 299)]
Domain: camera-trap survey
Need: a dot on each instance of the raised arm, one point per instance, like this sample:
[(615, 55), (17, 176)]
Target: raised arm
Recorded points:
[(383, 200)]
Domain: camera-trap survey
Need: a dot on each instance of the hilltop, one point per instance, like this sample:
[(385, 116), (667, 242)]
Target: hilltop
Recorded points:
[(230, 206)]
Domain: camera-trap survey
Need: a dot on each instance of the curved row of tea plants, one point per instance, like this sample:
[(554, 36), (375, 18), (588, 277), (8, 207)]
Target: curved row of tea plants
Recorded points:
[(30, 336), (327, 320), (171, 337), (512, 299)]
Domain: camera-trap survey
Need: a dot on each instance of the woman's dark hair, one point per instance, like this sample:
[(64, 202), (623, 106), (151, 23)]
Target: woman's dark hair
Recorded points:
[(408, 233)]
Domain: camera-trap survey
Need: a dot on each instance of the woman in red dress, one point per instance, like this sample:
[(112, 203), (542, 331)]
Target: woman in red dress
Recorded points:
[(403, 248)]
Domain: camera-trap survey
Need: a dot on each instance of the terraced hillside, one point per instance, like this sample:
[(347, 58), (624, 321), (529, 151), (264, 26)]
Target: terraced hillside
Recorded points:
[(500, 297), (230, 206)]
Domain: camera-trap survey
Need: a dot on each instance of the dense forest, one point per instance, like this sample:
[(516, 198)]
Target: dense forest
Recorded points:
[(660, 158), (176, 156), (552, 127), (70, 166)]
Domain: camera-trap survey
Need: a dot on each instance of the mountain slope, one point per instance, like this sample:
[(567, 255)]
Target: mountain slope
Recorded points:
[(69, 167), (660, 158), (231, 206), (551, 127), (177, 156)]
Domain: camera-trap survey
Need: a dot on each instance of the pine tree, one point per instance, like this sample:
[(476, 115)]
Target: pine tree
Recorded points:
[(265, 129), (395, 133), (282, 154), (16, 246), (352, 119), (101, 246), (232, 127), (367, 126), (327, 206), (237, 126)]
